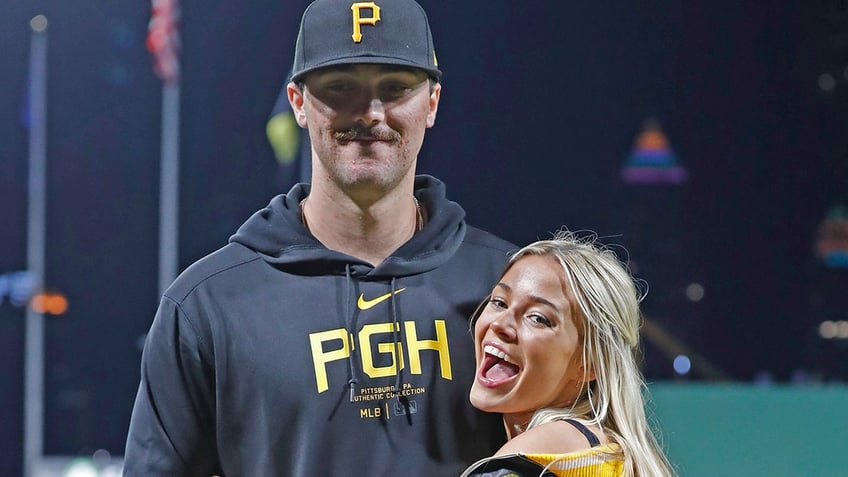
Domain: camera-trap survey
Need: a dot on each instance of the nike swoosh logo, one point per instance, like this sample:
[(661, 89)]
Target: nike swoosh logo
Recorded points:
[(364, 304)]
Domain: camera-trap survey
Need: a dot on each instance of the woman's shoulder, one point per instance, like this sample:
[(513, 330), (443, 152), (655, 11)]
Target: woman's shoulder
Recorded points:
[(556, 437)]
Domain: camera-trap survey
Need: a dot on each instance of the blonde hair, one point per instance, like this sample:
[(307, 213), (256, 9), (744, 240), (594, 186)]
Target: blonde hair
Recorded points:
[(608, 300)]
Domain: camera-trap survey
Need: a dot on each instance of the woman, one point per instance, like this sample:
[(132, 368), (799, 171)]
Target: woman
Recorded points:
[(556, 346)]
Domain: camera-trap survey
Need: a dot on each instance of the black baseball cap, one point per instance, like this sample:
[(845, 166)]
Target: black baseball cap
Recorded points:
[(338, 32)]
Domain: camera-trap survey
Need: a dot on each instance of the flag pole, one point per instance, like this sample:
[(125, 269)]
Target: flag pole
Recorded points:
[(163, 42), (34, 341), (169, 184)]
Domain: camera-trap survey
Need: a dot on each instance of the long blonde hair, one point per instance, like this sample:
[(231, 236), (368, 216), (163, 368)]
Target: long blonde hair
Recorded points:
[(608, 300)]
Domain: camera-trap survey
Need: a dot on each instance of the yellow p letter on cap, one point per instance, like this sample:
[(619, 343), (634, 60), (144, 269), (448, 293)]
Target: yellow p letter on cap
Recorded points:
[(359, 21)]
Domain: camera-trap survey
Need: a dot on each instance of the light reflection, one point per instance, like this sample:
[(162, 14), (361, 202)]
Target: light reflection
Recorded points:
[(682, 364)]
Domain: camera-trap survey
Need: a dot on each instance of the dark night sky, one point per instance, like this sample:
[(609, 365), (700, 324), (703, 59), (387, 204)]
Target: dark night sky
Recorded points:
[(540, 107)]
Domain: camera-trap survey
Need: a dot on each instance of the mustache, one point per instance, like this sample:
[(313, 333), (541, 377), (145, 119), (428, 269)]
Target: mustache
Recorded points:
[(370, 133)]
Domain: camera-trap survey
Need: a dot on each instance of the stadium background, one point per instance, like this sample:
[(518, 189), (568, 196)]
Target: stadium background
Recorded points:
[(543, 107)]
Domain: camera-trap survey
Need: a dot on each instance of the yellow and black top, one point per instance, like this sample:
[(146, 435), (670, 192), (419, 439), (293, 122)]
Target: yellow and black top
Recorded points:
[(597, 461)]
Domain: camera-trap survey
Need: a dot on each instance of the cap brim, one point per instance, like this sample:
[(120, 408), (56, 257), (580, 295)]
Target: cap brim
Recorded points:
[(434, 73)]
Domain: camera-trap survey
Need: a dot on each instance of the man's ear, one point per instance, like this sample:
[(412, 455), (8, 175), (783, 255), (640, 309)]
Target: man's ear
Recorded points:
[(295, 94), (435, 94)]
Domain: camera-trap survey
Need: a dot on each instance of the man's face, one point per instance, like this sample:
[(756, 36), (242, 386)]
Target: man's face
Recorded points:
[(366, 123)]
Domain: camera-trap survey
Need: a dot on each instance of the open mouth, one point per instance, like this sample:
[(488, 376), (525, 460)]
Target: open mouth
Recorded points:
[(496, 368)]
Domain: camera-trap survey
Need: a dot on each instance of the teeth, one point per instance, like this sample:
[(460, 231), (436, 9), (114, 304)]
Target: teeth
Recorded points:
[(496, 352)]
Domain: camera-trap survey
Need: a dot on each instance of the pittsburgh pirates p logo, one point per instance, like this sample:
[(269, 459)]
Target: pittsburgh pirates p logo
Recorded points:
[(358, 21)]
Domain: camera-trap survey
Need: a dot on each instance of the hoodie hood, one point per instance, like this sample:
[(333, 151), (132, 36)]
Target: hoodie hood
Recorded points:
[(278, 235)]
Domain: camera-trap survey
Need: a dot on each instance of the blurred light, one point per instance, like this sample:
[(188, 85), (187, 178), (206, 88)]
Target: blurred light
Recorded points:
[(842, 329), (827, 82), (695, 292), (38, 23), (18, 286), (101, 457), (81, 468), (652, 160), (50, 303), (827, 330), (832, 237), (830, 330), (112, 470), (682, 364)]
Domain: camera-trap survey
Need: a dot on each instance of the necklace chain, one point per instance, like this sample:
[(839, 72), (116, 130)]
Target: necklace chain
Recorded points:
[(419, 215), (303, 214)]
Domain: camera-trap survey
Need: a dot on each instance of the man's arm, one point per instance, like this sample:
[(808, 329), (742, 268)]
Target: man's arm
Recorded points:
[(172, 430)]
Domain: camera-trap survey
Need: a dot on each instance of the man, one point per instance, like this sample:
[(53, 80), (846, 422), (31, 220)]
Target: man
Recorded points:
[(330, 336)]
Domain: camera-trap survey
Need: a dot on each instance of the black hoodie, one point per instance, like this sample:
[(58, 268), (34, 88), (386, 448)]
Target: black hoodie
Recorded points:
[(275, 356)]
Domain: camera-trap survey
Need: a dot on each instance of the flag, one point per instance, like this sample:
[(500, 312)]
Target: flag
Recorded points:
[(163, 39), (289, 141), (652, 161)]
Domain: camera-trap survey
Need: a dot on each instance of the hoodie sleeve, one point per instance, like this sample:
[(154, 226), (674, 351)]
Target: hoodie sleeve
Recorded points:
[(172, 430)]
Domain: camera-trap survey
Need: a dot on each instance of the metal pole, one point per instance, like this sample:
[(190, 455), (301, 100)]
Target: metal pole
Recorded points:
[(34, 341), (169, 185)]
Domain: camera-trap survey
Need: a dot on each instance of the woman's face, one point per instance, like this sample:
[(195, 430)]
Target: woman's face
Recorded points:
[(528, 342)]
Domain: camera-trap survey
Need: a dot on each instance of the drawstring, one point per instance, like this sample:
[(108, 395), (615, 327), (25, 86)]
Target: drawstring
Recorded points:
[(397, 332), (351, 361)]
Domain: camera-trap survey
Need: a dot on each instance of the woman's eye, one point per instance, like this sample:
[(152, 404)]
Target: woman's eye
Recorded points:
[(497, 302), (541, 320)]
